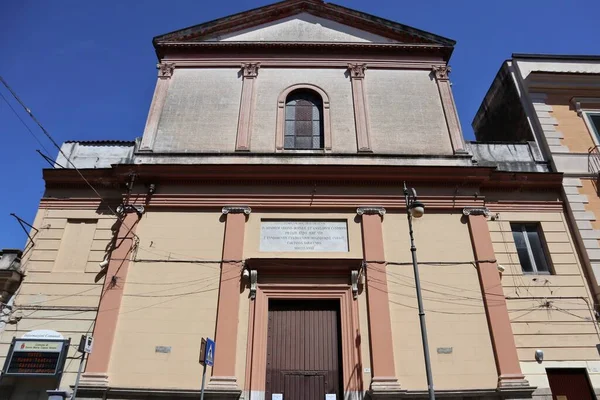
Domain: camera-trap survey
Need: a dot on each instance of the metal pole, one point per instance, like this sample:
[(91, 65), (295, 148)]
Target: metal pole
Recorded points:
[(203, 381), (413, 251), (78, 376)]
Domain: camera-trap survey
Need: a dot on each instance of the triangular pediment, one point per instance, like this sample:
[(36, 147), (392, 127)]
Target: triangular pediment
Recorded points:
[(302, 27), (303, 21)]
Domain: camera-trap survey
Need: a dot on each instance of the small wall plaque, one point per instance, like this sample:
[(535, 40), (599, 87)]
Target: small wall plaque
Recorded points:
[(162, 349), (444, 350)]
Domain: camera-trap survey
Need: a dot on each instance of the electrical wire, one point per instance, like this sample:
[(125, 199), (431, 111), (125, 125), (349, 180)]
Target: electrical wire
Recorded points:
[(24, 124)]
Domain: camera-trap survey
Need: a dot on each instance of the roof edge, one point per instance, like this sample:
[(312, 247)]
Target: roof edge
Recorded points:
[(545, 56)]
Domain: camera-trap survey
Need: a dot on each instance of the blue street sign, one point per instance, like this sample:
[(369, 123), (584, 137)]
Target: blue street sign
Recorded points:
[(209, 356)]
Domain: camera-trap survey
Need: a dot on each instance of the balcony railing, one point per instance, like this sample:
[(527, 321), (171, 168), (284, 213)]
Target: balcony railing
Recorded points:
[(594, 160)]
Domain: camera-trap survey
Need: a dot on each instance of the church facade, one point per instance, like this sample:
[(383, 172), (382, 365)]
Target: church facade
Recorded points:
[(265, 207)]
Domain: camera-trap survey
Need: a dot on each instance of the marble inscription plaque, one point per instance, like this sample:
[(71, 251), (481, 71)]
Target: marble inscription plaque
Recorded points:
[(303, 236)]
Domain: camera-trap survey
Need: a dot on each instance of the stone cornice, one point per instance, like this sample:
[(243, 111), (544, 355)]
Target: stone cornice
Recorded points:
[(296, 48), (285, 173)]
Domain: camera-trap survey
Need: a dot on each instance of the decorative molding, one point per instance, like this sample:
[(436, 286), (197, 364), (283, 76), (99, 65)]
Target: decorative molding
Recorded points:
[(441, 72), (361, 110), (354, 282), (129, 208), (250, 70), (370, 211), (476, 211), (165, 70), (236, 210), (332, 202), (580, 104), (280, 127), (253, 283), (357, 71), (299, 60)]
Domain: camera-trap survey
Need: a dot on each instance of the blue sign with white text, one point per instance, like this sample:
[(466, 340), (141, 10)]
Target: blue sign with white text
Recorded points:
[(209, 356)]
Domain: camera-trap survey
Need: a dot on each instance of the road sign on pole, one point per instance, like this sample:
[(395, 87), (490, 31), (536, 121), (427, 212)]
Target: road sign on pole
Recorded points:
[(207, 357)]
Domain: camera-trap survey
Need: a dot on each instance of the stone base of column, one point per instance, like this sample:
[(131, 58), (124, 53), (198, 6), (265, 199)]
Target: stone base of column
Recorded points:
[(223, 384), (92, 379), (508, 382), (384, 386)]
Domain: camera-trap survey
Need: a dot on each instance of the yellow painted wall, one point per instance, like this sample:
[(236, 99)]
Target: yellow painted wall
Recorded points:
[(455, 313), (577, 136), (59, 292), (167, 303), (589, 188), (564, 329)]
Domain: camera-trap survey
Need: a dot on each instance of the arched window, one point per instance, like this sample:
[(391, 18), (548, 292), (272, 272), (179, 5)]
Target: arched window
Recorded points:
[(304, 128)]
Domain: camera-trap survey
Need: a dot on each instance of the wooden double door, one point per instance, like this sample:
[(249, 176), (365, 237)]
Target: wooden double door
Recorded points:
[(304, 359)]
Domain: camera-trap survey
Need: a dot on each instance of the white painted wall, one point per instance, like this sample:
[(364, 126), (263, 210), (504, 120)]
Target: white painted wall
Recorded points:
[(406, 113), (303, 27), (201, 111)]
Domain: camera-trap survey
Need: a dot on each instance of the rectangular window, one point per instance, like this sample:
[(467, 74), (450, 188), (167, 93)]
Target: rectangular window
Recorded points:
[(531, 248)]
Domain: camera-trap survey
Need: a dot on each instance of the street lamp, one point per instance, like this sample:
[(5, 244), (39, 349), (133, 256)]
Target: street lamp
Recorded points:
[(416, 209)]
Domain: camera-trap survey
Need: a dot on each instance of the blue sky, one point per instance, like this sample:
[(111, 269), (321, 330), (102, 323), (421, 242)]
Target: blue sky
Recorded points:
[(87, 68)]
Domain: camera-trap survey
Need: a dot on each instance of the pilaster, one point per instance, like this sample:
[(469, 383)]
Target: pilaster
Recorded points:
[(380, 326), (361, 112), (96, 372), (510, 376), (223, 372), (249, 73), (165, 73), (441, 72)]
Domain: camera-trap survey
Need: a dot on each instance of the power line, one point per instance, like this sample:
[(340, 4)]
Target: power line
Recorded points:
[(47, 134), (23, 122)]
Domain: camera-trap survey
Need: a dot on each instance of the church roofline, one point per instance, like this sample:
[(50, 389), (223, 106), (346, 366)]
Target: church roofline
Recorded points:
[(287, 8)]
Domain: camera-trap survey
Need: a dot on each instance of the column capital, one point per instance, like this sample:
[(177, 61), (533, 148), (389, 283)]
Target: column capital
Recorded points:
[(357, 70), (250, 70), (476, 211), (441, 72), (165, 70), (370, 211), (236, 210)]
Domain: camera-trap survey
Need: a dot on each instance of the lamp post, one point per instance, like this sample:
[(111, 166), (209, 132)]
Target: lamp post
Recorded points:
[(416, 209)]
